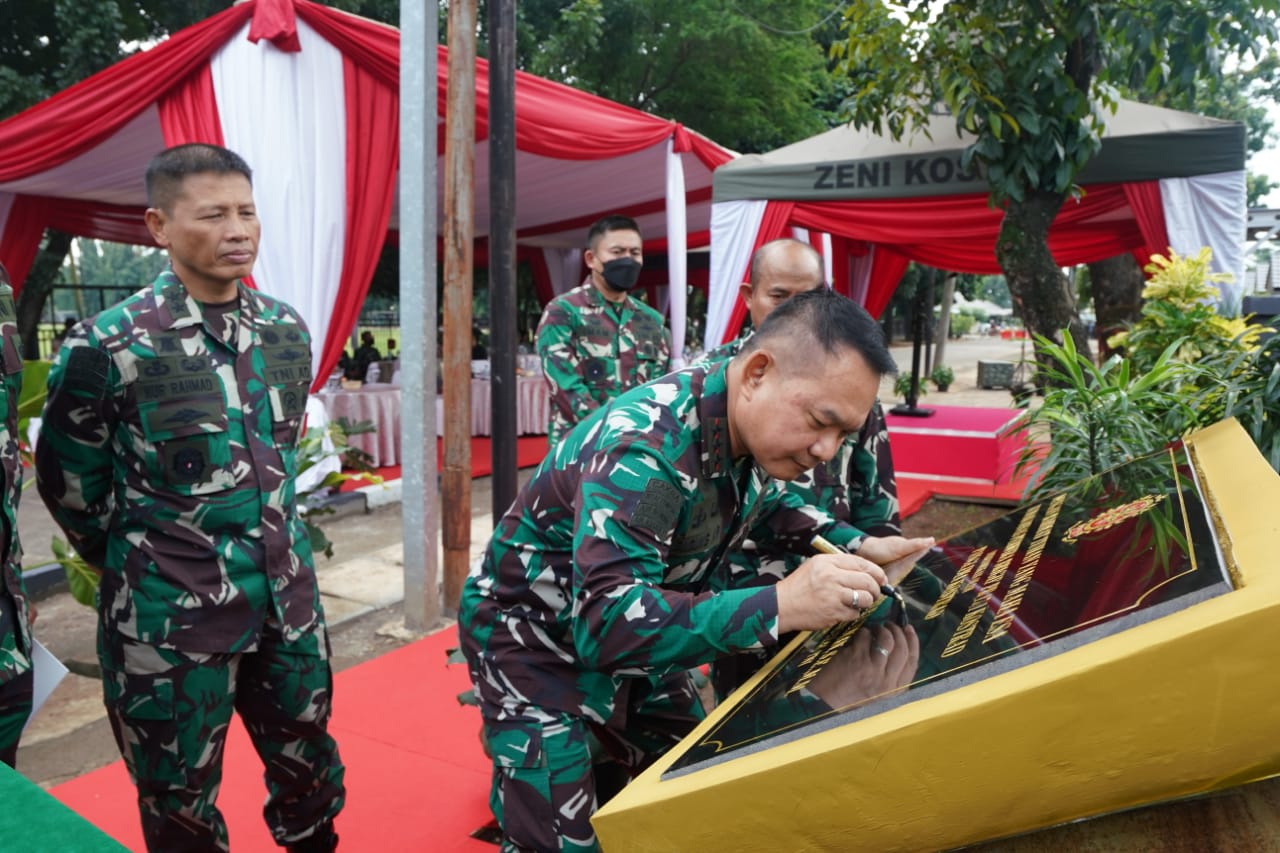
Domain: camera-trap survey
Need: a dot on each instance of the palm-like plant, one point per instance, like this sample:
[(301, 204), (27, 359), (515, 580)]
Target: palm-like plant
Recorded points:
[(1097, 417)]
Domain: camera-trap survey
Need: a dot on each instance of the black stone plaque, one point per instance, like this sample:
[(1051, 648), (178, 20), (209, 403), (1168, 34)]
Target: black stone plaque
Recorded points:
[(1117, 550)]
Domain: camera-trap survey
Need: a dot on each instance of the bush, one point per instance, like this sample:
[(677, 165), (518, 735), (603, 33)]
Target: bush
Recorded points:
[(962, 324)]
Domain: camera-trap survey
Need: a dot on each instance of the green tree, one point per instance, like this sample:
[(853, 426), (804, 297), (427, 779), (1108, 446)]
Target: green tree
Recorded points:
[(1030, 81), (746, 73)]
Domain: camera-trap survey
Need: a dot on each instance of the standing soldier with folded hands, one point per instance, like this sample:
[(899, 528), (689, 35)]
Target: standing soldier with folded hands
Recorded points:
[(168, 454)]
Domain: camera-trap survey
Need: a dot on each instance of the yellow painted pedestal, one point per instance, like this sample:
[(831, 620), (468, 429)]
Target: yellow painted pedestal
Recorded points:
[(1183, 704)]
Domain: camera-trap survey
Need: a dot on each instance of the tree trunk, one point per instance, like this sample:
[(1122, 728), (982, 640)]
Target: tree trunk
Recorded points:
[(36, 289), (1117, 297), (944, 320), (1041, 293)]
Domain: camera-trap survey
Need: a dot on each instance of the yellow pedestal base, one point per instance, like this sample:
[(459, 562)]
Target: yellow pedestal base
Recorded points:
[(1184, 704)]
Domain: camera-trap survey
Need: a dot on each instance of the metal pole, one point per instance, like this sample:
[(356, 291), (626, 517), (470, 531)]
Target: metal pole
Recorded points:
[(502, 249), (459, 258), (420, 505)]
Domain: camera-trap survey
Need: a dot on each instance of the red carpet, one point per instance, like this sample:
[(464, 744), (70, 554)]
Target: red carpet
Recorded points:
[(530, 449), (416, 776)]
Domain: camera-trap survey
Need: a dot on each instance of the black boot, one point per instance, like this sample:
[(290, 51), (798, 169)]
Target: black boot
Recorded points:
[(323, 840)]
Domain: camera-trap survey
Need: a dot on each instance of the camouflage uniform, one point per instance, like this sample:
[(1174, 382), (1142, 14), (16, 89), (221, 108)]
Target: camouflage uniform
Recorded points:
[(856, 486), (593, 349), (168, 455), (596, 595), (15, 631)]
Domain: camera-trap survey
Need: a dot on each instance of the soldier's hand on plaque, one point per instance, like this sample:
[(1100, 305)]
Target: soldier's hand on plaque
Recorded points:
[(878, 662), (826, 590), (896, 554)]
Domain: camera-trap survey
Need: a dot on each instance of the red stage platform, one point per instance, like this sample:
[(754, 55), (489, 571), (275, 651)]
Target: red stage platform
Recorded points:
[(957, 448)]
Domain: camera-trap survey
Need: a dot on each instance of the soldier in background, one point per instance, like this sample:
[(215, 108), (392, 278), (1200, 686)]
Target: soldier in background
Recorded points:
[(168, 454), (857, 486), (599, 590), (15, 611), (597, 340)]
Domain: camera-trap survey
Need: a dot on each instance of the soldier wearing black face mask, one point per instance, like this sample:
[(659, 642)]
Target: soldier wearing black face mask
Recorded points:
[(596, 341)]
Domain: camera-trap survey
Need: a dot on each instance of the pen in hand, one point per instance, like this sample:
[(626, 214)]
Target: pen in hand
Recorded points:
[(822, 545)]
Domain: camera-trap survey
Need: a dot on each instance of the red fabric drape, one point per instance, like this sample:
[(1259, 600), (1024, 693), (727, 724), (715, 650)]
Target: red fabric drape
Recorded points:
[(1148, 209), (273, 20), (887, 267), (958, 233), (23, 228), (189, 113), (541, 276), (774, 224), (373, 133)]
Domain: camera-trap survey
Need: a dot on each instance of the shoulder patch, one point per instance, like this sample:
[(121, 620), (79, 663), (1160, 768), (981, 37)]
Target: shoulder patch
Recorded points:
[(658, 508), (87, 372)]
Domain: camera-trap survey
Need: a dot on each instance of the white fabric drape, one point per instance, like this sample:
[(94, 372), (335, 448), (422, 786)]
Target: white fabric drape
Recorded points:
[(272, 102), (734, 225), (677, 254), (1209, 210), (565, 268), (860, 276), (825, 249)]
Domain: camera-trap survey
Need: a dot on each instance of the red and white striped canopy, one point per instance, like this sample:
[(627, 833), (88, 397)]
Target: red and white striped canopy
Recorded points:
[(309, 96)]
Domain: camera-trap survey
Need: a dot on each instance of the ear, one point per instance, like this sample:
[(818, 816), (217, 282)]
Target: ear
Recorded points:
[(588, 258), (758, 365), (156, 222), (744, 290)]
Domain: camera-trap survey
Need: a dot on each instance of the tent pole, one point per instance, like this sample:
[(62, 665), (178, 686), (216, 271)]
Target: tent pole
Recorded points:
[(420, 505), (459, 264), (502, 250)]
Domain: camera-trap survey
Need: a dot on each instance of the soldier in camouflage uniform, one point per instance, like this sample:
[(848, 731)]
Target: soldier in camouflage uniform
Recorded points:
[(857, 486), (15, 628), (597, 340), (602, 584), (168, 455)]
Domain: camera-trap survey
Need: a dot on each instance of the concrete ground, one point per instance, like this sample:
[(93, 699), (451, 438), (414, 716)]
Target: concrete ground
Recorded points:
[(362, 587)]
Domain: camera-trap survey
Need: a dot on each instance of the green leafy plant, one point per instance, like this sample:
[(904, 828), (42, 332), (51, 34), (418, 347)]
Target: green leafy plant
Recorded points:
[(1097, 417), (942, 376), (1245, 384), (82, 578), (902, 387), (1179, 310)]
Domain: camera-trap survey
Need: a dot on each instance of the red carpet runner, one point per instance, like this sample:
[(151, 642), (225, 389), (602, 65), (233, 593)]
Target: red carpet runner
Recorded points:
[(416, 776)]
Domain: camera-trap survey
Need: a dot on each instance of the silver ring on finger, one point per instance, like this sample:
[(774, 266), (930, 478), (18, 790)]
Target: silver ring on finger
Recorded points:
[(854, 602), (881, 649)]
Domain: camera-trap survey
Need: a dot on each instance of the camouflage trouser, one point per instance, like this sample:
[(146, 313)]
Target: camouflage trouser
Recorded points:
[(170, 710), (545, 773), (15, 707)]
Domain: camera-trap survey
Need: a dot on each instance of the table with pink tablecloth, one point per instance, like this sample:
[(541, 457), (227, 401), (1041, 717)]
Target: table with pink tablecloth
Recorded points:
[(533, 405), (379, 404)]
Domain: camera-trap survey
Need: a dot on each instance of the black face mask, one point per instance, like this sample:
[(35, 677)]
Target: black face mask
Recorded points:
[(621, 274)]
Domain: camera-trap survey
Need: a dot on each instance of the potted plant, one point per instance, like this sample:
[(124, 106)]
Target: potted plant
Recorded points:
[(942, 376), (902, 387)]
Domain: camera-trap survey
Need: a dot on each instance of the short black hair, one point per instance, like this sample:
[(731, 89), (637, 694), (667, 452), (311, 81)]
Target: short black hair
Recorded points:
[(168, 169), (613, 222), (832, 322)]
